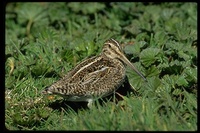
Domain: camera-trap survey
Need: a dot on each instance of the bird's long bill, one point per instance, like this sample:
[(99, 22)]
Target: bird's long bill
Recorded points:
[(125, 60)]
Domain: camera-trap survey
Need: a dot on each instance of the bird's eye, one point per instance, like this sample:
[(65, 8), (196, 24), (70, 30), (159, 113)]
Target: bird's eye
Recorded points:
[(109, 45)]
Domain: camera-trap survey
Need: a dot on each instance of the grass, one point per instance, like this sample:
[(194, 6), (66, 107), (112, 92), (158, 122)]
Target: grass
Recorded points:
[(45, 40)]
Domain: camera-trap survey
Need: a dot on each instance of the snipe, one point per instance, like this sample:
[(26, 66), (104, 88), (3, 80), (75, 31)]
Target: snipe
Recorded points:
[(95, 77)]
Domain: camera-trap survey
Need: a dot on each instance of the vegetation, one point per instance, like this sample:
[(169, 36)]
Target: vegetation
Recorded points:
[(45, 40)]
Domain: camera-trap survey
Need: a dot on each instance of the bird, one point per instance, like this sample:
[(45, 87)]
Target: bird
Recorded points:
[(95, 77)]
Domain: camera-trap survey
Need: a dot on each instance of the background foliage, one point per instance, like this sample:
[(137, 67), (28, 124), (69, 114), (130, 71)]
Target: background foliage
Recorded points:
[(45, 40)]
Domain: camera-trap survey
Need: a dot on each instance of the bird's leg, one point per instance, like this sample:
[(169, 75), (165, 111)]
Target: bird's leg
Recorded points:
[(90, 103)]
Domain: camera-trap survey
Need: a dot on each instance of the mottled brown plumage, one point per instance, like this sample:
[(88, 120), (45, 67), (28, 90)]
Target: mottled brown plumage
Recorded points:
[(95, 77)]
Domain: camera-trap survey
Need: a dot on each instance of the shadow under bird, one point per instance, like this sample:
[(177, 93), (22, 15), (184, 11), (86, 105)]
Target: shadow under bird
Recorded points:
[(95, 77)]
